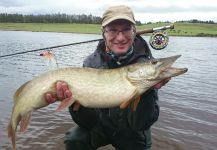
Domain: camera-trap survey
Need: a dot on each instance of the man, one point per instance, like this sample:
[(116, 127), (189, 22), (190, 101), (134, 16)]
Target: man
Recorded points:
[(124, 129)]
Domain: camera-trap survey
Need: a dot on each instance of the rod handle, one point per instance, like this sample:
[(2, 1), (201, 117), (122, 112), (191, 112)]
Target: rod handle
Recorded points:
[(155, 29)]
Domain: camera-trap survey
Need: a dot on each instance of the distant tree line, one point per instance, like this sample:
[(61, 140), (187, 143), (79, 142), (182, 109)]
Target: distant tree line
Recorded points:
[(65, 18), (187, 21), (50, 18), (197, 21)]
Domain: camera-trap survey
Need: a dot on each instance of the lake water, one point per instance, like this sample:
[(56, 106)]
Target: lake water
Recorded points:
[(188, 103)]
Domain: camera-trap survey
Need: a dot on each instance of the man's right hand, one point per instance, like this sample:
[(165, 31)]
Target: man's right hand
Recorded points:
[(62, 92)]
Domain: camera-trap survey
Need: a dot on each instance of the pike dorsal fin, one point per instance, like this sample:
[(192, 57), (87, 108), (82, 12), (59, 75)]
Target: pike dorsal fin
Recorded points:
[(19, 90)]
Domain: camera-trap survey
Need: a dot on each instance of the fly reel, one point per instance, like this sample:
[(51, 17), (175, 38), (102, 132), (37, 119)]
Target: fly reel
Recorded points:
[(159, 40)]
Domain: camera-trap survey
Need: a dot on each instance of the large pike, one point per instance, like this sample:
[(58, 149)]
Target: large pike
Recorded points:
[(95, 88)]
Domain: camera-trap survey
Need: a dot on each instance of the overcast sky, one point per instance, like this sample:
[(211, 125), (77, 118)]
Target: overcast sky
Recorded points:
[(145, 10)]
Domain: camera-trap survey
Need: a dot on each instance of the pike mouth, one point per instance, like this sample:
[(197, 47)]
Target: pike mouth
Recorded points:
[(172, 71)]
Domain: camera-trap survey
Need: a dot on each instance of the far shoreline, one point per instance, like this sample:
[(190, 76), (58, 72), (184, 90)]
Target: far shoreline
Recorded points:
[(181, 29)]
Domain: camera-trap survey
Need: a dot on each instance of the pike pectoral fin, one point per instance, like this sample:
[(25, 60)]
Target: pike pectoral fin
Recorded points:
[(125, 104), (65, 103), (135, 103), (25, 119)]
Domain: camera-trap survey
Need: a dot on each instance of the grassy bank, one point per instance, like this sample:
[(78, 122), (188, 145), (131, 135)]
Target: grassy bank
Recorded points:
[(51, 27), (181, 29), (188, 29)]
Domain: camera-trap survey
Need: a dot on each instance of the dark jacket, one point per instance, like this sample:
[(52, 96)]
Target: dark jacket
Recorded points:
[(116, 120)]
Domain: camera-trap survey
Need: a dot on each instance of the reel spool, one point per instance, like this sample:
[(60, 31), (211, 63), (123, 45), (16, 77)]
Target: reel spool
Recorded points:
[(159, 40)]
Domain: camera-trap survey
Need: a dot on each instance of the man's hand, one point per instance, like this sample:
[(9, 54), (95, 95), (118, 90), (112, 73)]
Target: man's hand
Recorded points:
[(162, 83), (62, 91)]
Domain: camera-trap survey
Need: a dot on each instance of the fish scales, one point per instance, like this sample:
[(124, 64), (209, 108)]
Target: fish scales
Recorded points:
[(91, 87)]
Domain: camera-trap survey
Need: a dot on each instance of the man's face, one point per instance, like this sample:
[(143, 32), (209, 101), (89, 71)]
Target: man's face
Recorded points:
[(119, 36)]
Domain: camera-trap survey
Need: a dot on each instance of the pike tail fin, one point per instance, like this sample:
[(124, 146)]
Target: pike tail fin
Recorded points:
[(24, 122), (12, 135), (65, 103)]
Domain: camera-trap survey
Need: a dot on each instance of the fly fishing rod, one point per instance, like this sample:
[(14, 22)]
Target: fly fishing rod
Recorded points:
[(157, 40)]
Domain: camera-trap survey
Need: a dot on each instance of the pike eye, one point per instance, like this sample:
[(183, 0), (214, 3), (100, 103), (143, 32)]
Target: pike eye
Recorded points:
[(154, 62)]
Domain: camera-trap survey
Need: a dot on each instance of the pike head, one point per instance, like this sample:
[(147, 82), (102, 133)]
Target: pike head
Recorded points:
[(145, 75)]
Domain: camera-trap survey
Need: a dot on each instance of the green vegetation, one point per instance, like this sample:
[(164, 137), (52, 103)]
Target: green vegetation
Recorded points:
[(51, 27), (187, 29), (195, 29), (91, 24), (181, 29)]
